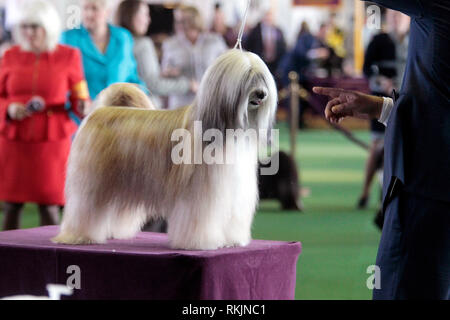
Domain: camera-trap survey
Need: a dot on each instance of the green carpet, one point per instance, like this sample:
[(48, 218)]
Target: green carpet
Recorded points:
[(339, 242)]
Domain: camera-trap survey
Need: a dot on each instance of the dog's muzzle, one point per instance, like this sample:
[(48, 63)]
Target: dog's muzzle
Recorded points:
[(258, 98)]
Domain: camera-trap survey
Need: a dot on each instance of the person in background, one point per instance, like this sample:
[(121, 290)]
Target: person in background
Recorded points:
[(381, 70), (298, 59), (36, 77), (335, 38), (220, 27), (107, 50), (323, 55), (267, 41), (189, 52), (134, 15)]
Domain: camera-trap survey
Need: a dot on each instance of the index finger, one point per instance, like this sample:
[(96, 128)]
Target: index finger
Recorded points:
[(331, 92)]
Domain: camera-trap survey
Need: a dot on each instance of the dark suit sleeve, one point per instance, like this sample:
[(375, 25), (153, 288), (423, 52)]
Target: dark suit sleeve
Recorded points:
[(413, 8)]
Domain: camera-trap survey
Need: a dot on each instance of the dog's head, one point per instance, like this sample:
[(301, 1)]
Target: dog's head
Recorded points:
[(237, 92)]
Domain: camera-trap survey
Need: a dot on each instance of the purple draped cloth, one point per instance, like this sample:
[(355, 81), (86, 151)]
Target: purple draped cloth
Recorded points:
[(146, 268)]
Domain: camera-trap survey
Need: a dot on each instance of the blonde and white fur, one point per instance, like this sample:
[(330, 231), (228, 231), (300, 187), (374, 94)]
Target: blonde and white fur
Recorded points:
[(120, 171), (122, 95)]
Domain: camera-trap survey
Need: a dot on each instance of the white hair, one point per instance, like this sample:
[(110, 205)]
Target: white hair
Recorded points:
[(45, 15), (235, 77)]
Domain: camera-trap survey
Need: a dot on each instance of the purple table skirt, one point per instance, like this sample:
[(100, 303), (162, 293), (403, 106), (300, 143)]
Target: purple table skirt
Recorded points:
[(146, 268)]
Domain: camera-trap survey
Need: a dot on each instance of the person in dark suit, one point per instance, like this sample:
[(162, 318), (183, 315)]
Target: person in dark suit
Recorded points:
[(414, 251), (267, 41)]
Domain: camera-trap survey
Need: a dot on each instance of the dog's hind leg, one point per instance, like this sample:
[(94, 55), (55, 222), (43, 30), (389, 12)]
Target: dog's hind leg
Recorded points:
[(81, 224)]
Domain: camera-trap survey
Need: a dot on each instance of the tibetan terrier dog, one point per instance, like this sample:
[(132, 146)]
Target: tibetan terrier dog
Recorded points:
[(121, 171)]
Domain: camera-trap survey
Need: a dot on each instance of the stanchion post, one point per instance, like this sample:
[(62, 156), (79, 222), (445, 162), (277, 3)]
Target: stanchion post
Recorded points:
[(294, 91)]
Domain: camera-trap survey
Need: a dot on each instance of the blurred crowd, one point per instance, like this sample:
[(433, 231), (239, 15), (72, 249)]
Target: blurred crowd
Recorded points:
[(49, 77), (169, 65)]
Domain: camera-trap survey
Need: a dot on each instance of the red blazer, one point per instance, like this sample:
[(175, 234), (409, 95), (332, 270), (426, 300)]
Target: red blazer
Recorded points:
[(52, 76)]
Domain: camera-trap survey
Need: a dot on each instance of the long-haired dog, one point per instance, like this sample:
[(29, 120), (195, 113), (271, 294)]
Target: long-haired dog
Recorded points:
[(121, 173)]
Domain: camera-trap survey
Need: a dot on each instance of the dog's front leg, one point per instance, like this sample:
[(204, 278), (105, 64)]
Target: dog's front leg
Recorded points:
[(196, 225)]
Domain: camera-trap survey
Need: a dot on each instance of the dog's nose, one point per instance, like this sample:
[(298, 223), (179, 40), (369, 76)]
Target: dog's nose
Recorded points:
[(260, 94)]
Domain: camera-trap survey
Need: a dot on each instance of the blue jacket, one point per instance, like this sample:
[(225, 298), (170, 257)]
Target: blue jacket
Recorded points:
[(417, 144), (101, 70)]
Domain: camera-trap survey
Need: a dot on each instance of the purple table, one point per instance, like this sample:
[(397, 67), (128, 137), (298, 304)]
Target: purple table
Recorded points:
[(146, 268)]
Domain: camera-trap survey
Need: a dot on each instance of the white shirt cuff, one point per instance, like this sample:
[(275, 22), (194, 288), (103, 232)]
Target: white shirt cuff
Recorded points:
[(388, 106)]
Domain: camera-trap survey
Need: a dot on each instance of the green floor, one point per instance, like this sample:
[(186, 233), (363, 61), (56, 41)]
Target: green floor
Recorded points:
[(339, 242)]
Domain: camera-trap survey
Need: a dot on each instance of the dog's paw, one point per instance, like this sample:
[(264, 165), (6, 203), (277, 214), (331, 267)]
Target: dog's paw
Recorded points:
[(238, 243), (69, 239), (238, 239)]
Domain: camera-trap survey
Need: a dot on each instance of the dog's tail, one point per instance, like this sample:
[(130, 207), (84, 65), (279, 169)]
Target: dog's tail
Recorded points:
[(123, 95)]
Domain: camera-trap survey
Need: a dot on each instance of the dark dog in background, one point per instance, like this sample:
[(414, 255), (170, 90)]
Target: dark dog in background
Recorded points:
[(284, 186)]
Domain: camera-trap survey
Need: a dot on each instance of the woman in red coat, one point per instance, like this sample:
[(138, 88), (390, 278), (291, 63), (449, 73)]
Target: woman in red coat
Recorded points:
[(36, 79)]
